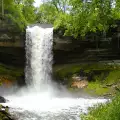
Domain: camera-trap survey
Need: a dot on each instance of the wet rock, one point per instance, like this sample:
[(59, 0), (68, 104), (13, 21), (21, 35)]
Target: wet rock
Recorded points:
[(21, 81), (5, 118), (2, 99), (4, 37), (107, 95)]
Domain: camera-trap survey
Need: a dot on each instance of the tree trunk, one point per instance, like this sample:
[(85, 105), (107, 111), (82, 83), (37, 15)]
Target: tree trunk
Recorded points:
[(2, 8)]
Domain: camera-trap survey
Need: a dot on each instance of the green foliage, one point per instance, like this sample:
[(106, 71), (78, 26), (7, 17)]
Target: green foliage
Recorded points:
[(29, 11), (19, 12), (4, 113), (47, 13), (109, 111), (116, 11), (96, 88), (78, 17), (114, 76), (90, 17), (52, 11), (16, 17)]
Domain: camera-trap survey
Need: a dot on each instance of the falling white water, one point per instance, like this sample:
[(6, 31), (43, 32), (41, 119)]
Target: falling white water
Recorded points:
[(39, 101), (39, 40)]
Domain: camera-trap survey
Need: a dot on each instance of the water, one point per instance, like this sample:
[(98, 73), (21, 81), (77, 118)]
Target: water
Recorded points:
[(41, 99), (39, 40), (42, 107)]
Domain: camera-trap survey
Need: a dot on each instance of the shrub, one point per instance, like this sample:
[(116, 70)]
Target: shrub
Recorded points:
[(108, 111)]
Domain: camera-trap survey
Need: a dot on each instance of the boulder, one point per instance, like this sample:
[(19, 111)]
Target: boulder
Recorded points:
[(21, 81), (2, 99), (79, 84)]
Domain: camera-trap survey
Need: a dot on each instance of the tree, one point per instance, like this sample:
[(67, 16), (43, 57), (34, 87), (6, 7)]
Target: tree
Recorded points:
[(76, 17), (60, 5), (87, 17), (2, 5), (29, 11), (51, 10), (14, 15), (20, 12), (116, 10), (47, 13)]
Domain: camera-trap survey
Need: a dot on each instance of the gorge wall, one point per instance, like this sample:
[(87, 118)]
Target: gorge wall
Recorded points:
[(65, 49)]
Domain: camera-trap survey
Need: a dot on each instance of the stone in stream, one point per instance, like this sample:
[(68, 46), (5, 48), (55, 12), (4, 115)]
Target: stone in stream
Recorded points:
[(2, 100)]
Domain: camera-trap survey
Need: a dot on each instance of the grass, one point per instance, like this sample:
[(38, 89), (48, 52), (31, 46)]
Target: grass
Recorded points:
[(113, 77), (109, 111), (4, 114), (96, 88)]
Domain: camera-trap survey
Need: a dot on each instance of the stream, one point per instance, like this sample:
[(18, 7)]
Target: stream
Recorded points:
[(43, 106)]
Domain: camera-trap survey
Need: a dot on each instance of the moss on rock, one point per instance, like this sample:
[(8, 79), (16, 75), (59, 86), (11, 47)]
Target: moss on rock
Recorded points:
[(10, 74)]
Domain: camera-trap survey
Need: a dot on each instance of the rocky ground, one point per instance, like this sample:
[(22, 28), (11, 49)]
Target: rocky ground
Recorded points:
[(4, 110), (9, 76)]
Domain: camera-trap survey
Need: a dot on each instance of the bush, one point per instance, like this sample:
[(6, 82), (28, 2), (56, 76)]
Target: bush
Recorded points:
[(109, 111)]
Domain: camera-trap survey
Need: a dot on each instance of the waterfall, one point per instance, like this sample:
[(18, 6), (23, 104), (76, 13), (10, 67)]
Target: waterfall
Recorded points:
[(39, 41), (40, 100)]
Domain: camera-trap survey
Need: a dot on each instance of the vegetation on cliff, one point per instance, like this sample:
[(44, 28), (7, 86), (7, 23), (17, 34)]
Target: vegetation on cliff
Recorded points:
[(103, 79)]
